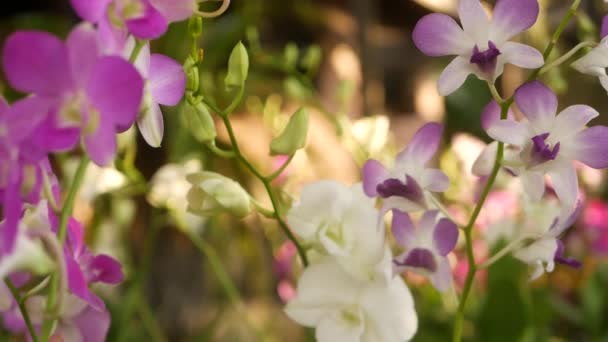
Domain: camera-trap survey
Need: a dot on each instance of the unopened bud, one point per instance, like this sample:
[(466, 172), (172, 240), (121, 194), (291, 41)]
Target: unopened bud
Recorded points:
[(212, 193)]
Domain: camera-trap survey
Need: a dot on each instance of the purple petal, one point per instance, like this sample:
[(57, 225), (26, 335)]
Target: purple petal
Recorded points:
[(112, 41), (445, 236), (428, 220), (439, 35), (410, 190), (48, 137), (25, 116), (565, 184), (423, 145), (12, 207), (83, 52), (604, 31), (106, 270), (36, 62), (101, 145), (538, 103), (93, 324), (149, 26), (3, 106), (403, 228), (90, 10), (419, 258), (78, 285), (454, 75), (512, 17), (490, 115), (115, 89), (374, 173), (521, 55), (591, 147), (151, 125), (175, 10), (559, 257), (167, 80)]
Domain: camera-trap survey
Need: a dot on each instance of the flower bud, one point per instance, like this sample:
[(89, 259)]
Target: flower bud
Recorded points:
[(195, 26), (199, 121), (293, 137), (238, 67), (290, 55), (212, 193), (312, 59)]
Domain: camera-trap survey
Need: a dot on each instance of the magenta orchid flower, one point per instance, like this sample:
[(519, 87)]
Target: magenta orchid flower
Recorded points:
[(426, 247), (96, 96), (408, 185), (546, 144), (482, 45)]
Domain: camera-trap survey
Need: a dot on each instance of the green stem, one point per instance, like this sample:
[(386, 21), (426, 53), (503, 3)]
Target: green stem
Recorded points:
[(22, 308), (280, 170), (149, 320), (139, 44), (264, 180), (218, 151), (66, 212), (566, 56)]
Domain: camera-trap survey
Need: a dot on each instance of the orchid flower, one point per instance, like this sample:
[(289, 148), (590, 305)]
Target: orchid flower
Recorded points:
[(95, 97), (596, 61), (339, 221), (345, 308), (482, 45), (408, 185), (426, 247), (544, 227), (548, 144)]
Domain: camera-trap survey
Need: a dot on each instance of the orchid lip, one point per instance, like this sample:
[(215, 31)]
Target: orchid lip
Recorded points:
[(486, 60), (420, 258), (559, 257), (541, 151), (410, 190)]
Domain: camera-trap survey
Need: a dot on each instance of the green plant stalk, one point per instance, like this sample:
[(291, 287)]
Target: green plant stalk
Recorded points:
[(22, 308), (66, 212), (265, 180), (468, 229), (280, 170)]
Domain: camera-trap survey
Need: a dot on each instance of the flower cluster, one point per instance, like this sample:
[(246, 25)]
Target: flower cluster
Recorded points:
[(81, 92)]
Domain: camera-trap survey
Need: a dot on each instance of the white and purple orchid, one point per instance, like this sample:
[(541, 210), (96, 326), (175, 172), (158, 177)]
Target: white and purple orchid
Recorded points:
[(482, 45), (596, 61), (426, 247), (89, 96), (546, 144), (409, 184), (544, 228)]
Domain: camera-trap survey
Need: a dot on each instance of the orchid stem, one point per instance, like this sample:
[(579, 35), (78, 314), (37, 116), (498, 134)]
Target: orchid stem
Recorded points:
[(139, 44), (566, 56), (21, 304), (495, 93), (267, 183), (468, 229), (66, 212), (504, 251)]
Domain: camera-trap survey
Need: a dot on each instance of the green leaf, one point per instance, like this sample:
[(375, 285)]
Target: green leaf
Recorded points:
[(293, 137), (238, 67)]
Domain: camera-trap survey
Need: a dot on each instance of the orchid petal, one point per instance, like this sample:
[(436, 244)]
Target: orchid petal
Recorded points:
[(151, 125), (538, 103), (83, 52), (604, 29), (93, 324), (439, 35), (90, 10), (533, 184), (175, 10), (167, 80), (510, 132), (484, 164), (101, 145), (149, 26), (512, 17), (474, 20), (445, 236), (374, 173), (403, 228), (573, 120), (521, 55), (435, 180), (442, 278), (565, 183), (454, 75), (591, 147), (423, 145)]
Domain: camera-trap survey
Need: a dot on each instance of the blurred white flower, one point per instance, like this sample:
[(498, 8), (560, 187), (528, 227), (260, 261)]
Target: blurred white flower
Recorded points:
[(345, 308), (97, 180), (212, 193)]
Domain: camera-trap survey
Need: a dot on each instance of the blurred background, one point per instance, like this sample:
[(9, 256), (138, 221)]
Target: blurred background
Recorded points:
[(354, 65)]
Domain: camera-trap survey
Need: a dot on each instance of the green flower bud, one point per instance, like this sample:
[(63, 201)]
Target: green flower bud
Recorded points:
[(212, 193), (290, 55), (294, 135), (198, 120), (312, 59), (238, 67)]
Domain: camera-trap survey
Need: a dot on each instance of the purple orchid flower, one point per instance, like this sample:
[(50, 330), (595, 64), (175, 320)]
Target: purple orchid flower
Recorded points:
[(410, 182), (548, 144), (426, 247), (482, 45), (92, 95), (139, 17)]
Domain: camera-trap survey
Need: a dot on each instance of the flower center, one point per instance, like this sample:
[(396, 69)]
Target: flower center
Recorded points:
[(485, 60), (395, 187), (541, 151), (420, 258)]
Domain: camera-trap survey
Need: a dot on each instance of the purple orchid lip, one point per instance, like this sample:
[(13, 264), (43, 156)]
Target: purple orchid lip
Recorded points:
[(410, 190), (560, 259), (541, 151), (486, 60), (419, 258)]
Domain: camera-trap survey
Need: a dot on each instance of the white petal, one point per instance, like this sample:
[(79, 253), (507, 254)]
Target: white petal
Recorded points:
[(595, 62), (337, 328), (475, 21), (442, 278), (151, 125), (510, 132), (572, 120), (454, 75), (485, 162), (435, 180), (323, 288), (533, 184), (565, 183), (521, 55)]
